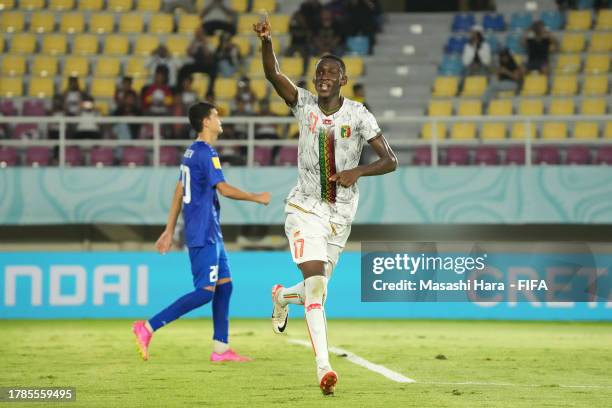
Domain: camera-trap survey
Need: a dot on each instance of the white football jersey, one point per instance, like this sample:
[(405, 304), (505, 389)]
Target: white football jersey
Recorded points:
[(329, 145)]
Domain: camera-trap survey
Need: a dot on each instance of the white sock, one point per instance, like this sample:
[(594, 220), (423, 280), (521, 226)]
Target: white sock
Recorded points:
[(220, 347), (293, 295), (315, 288)]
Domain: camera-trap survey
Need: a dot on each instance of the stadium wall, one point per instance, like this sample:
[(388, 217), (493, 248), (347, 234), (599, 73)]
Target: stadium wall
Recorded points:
[(411, 195)]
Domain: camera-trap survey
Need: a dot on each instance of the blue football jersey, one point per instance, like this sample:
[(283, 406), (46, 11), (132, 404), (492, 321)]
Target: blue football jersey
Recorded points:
[(200, 173)]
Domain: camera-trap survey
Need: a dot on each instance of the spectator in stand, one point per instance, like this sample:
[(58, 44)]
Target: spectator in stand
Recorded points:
[(217, 16), (509, 76), (359, 94), (128, 107), (88, 129), (362, 15), (203, 59), (301, 38), (184, 98), (122, 89), (477, 53), (73, 97), (328, 39), (157, 97), (57, 109), (539, 43), (161, 56), (311, 10), (246, 95), (228, 56)]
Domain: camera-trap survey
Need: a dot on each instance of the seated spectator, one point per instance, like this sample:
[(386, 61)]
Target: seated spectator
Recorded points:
[(203, 59), (362, 19), (122, 89), (301, 38), (73, 97), (328, 39), (245, 94), (311, 10), (128, 107), (539, 43), (476, 53), (161, 57), (88, 129), (359, 94), (266, 130), (217, 16), (157, 97), (228, 56), (509, 76)]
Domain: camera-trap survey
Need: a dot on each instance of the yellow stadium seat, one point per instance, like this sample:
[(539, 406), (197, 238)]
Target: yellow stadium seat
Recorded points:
[(101, 23), (244, 44), (145, 44), (593, 106), (354, 66), (572, 42), (608, 131), (276, 46), (119, 5), (586, 130), (85, 44), (41, 87), (64, 84), (565, 85), (90, 5), (601, 42), (294, 131), (12, 21), (595, 85), (568, 64), (161, 24), (531, 107), (578, 20), (256, 68), (188, 23), (131, 23), (107, 67), (246, 21), (604, 19), (260, 87), (225, 88), (440, 108), (554, 130), (103, 87), (463, 131), (23, 43), (42, 22), (520, 131), (428, 131), (279, 23), (445, 86), (268, 5), (76, 66), (61, 5), (13, 65), (116, 45), (597, 63), (44, 66), (290, 66), (138, 84), (493, 131), (500, 107), (213, 41), (1, 45), (474, 86), (148, 5), (54, 44), (240, 6), (561, 107), (7, 4), (469, 108), (200, 84), (279, 108), (9, 88), (535, 85), (177, 45), (32, 4), (72, 23), (136, 68)]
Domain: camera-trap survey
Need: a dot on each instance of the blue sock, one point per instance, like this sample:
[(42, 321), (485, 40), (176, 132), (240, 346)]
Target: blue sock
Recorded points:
[(220, 309), (180, 307)]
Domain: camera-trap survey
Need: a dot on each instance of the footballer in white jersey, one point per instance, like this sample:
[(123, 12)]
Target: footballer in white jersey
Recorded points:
[(321, 207)]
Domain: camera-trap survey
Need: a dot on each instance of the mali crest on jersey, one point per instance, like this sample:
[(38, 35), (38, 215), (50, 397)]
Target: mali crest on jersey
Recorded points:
[(345, 132)]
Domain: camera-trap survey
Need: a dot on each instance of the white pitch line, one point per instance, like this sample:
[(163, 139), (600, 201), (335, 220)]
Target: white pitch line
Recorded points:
[(495, 384), (354, 358)]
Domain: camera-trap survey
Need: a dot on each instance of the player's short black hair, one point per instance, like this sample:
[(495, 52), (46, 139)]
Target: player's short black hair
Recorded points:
[(335, 58), (198, 112)]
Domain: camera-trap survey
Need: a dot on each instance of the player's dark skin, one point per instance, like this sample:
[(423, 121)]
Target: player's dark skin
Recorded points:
[(329, 78)]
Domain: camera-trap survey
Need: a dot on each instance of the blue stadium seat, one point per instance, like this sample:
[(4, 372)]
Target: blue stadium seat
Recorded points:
[(520, 20), (513, 41), (552, 19), (494, 21), (493, 42), (451, 66), (463, 22), (455, 44), (358, 45), (586, 4)]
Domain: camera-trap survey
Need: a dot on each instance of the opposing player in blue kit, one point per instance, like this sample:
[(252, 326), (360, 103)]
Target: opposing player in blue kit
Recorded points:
[(201, 177)]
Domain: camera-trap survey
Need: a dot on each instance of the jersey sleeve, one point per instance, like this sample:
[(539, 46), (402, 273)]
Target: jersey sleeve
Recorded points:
[(368, 126), (304, 98), (211, 166)]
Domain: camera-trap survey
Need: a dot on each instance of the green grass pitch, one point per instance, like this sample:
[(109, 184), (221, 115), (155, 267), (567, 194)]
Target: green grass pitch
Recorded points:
[(511, 364)]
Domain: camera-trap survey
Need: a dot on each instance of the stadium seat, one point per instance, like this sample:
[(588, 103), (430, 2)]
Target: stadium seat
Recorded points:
[(568, 64), (422, 156), (90, 5), (241, 6), (73, 156), (72, 23), (103, 87), (463, 131), (119, 5), (493, 42), (38, 156), (585, 4), (246, 21), (451, 65), (552, 19), (578, 155), (535, 85), (564, 85), (531, 107), (440, 108), (519, 130), (260, 88), (486, 156), (279, 108), (187, 23), (54, 44), (572, 42), (13, 65), (41, 87), (32, 4), (33, 107), (445, 86), (455, 44), (463, 22), (168, 156), (578, 20), (255, 68), (61, 5), (608, 130), (427, 132), (586, 130), (597, 64), (138, 84), (494, 22), (8, 108), (262, 156), (42, 22), (44, 66), (469, 108), (291, 66), (85, 45), (134, 156), (561, 107), (474, 85), (145, 44), (161, 24), (116, 45), (268, 5), (177, 45), (500, 107), (136, 68), (493, 131), (593, 106), (200, 84), (354, 66), (287, 156), (152, 6), (7, 4), (520, 21), (9, 88), (595, 85), (23, 43), (554, 130), (76, 66), (64, 84), (547, 155), (8, 156), (131, 23), (12, 21), (358, 45), (101, 156), (604, 19), (515, 155), (244, 45), (601, 42), (225, 88), (456, 156), (101, 23), (279, 22), (513, 42)]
